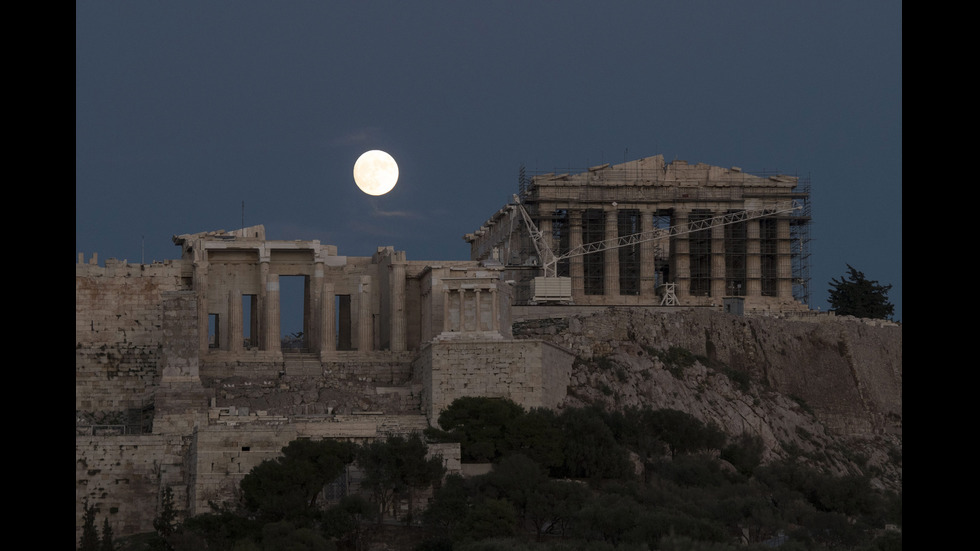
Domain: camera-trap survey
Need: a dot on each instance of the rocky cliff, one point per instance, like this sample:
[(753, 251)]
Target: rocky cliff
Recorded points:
[(826, 389)]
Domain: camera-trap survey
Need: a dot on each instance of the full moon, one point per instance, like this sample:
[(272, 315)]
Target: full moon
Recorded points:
[(375, 172)]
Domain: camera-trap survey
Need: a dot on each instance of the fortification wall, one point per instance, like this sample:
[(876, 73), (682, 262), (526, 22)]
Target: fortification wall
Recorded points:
[(119, 333), (123, 476), (225, 451), (531, 373)]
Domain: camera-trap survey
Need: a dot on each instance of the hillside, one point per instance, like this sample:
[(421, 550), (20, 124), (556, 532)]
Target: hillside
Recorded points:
[(829, 391)]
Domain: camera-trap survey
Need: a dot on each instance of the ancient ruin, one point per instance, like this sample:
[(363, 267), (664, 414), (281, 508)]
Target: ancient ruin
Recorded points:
[(184, 380), (651, 232)]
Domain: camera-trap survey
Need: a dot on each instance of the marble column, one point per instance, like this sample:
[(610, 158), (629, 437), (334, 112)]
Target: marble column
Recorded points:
[(477, 313), (271, 335), (648, 268), (753, 262), (201, 293), (680, 258), (398, 322), (236, 332), (611, 260), (327, 331), (718, 262), (576, 268), (365, 325)]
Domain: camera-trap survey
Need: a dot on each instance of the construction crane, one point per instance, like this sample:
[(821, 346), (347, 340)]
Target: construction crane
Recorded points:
[(553, 287)]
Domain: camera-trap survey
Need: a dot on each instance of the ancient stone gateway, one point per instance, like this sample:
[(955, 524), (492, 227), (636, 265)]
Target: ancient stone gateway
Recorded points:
[(184, 380)]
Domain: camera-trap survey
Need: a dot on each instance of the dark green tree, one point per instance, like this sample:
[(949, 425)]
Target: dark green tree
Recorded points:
[(90, 534), (107, 543), (284, 536), (223, 529), (855, 295), (480, 425), (538, 436), (343, 521), (745, 452), (517, 479), (444, 514), (395, 467), (553, 507), (682, 432), (591, 449), (286, 488), (488, 518), (165, 523)]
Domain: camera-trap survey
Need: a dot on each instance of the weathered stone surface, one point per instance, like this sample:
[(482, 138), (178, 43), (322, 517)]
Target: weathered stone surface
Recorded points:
[(821, 385)]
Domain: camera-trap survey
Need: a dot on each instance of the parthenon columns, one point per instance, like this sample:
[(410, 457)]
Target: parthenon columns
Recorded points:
[(611, 261), (648, 268), (397, 314), (328, 343)]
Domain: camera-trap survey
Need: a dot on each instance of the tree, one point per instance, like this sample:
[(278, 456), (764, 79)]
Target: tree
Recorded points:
[(590, 447), (166, 522), (396, 466), (90, 534), (286, 488), (682, 432), (480, 425), (343, 521), (107, 543), (860, 297)]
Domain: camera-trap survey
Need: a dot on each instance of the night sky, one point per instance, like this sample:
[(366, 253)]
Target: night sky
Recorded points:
[(199, 116)]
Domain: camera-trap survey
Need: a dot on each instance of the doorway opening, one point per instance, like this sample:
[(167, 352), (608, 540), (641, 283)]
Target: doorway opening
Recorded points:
[(250, 321), (214, 336), (293, 309)]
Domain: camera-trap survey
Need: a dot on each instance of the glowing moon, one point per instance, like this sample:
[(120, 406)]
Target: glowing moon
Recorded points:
[(375, 172)]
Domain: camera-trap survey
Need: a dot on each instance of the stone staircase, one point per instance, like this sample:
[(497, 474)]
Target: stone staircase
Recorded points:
[(302, 363)]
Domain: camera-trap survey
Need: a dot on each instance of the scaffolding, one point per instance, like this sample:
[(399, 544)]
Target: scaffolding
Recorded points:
[(714, 261), (800, 243)]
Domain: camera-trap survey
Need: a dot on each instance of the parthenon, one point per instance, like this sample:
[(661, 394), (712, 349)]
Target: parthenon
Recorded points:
[(650, 232)]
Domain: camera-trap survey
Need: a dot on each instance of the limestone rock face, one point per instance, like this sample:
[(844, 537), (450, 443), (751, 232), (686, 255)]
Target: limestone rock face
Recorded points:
[(830, 390)]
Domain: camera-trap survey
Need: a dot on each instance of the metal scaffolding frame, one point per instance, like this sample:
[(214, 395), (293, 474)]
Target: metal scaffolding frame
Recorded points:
[(734, 251)]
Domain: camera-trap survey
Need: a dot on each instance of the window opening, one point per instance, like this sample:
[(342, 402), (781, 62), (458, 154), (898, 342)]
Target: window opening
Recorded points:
[(250, 321), (214, 336)]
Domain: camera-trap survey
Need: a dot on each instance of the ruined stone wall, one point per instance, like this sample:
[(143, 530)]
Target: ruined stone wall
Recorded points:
[(119, 333), (303, 385), (224, 452)]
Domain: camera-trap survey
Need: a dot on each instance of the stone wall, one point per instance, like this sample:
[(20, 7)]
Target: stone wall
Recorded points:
[(123, 478), (226, 450), (119, 333), (531, 373)]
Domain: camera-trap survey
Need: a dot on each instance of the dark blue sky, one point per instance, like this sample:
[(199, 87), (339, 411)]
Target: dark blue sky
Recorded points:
[(185, 110)]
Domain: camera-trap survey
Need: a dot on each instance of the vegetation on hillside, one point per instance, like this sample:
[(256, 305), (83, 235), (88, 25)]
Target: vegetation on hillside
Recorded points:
[(579, 479)]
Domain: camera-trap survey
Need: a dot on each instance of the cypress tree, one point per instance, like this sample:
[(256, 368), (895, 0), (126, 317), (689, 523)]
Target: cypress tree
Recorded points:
[(90, 534)]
